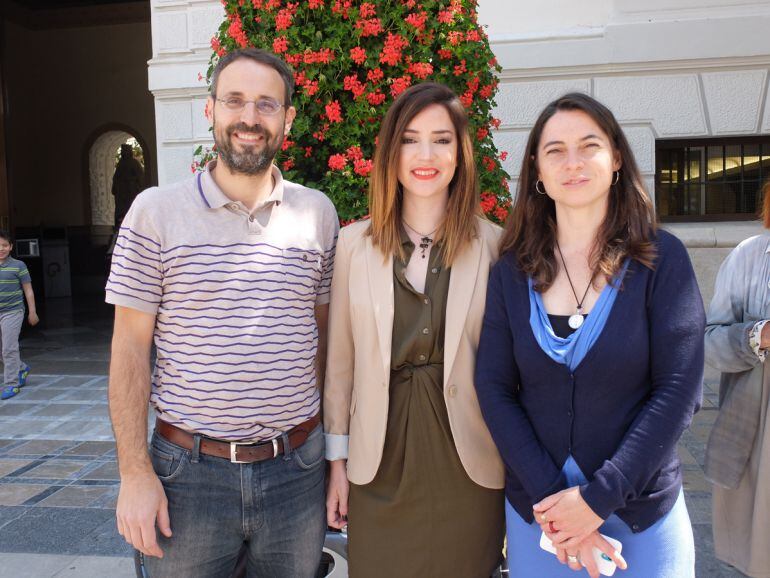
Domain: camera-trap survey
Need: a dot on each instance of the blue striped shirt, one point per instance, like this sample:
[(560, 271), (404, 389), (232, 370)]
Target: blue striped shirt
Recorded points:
[(234, 298)]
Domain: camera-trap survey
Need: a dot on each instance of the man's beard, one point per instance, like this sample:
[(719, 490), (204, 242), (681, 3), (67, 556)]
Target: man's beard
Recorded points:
[(250, 160)]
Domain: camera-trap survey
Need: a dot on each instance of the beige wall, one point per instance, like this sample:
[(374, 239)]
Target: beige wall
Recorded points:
[(63, 85)]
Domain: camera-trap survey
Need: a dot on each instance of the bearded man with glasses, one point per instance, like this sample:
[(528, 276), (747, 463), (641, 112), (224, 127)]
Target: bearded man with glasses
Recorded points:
[(228, 274)]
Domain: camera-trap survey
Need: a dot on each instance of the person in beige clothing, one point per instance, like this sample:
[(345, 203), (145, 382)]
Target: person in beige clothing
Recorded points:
[(738, 450), (414, 470)]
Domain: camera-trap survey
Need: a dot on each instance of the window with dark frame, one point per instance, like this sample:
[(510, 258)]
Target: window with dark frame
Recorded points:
[(710, 179)]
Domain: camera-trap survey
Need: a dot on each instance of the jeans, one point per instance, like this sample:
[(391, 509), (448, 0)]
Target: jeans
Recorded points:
[(275, 506)]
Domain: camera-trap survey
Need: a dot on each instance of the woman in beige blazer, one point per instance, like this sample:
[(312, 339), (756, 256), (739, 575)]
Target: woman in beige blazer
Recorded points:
[(414, 471)]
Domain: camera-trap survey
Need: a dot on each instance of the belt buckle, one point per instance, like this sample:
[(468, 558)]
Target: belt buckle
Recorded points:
[(234, 448)]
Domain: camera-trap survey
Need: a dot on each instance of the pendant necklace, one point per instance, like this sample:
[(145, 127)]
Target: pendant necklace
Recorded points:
[(576, 319), (425, 240)]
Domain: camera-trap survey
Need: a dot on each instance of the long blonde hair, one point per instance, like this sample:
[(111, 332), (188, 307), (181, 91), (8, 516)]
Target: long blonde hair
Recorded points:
[(385, 195)]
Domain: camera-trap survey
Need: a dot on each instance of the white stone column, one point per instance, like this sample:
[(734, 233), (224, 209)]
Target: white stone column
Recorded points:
[(181, 49)]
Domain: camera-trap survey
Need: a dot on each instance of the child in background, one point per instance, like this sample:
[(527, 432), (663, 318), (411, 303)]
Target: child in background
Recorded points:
[(14, 280)]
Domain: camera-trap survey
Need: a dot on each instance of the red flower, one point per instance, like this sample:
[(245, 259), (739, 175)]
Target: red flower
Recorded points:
[(354, 153), (391, 51), (503, 155), (444, 54), (313, 4), (375, 98), (501, 213), (283, 19), (482, 133), (375, 75), (217, 47), (358, 55), (370, 27), (489, 163), (367, 10), (235, 31), (455, 37), (400, 84), (286, 144), (495, 122), (257, 4), (486, 91), (362, 167), (417, 19), (337, 162), (488, 202), (200, 77), (473, 36), (421, 70), (323, 56), (446, 16), (342, 8), (467, 99), (460, 68), (280, 45), (473, 84), (308, 151), (311, 87), (334, 111), (288, 164), (354, 85)]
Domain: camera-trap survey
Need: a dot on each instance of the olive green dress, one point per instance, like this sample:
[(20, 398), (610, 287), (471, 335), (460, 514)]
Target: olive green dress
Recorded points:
[(422, 516)]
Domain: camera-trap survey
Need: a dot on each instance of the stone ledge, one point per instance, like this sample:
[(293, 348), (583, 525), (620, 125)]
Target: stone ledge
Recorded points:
[(712, 235)]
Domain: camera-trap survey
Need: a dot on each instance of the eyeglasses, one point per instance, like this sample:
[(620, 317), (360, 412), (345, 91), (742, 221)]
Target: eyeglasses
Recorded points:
[(265, 106)]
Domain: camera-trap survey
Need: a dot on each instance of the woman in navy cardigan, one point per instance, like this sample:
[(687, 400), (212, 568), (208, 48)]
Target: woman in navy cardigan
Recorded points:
[(591, 357)]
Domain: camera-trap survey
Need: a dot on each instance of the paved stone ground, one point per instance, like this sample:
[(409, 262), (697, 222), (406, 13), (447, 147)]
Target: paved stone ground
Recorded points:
[(58, 476)]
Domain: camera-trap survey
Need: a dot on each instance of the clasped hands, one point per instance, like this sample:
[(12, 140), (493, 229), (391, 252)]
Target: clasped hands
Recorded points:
[(573, 527)]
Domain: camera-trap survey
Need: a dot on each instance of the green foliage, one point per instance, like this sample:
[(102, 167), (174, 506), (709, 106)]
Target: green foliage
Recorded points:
[(351, 59)]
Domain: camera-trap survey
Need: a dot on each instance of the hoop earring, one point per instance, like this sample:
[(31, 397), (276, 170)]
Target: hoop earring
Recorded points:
[(537, 189), (616, 179)]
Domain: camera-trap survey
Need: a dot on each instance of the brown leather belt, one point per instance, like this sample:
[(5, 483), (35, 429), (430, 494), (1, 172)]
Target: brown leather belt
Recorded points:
[(239, 452)]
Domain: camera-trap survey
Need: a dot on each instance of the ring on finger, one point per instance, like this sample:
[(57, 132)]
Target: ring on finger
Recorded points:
[(573, 559), (551, 528), (543, 518)]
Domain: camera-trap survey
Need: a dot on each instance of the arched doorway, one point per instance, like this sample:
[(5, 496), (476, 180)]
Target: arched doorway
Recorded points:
[(102, 158)]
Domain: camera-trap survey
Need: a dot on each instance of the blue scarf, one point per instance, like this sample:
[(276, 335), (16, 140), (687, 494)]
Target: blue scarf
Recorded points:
[(572, 350)]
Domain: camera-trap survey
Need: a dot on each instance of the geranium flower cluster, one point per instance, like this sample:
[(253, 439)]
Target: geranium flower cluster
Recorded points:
[(351, 59)]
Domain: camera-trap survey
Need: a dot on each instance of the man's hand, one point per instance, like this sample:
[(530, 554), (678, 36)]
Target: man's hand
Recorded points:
[(142, 504), (33, 318), (337, 495)]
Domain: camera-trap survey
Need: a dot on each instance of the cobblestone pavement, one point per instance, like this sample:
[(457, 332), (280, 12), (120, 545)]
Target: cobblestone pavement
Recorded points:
[(58, 476)]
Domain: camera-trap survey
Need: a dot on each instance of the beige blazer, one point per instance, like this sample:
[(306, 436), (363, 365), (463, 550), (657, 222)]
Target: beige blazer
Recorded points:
[(358, 364)]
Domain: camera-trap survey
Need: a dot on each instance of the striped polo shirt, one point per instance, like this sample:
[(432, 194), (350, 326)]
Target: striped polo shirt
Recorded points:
[(234, 297), (12, 274)]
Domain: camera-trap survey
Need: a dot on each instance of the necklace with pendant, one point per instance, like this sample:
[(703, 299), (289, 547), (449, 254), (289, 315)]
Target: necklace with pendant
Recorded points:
[(425, 240), (576, 319)]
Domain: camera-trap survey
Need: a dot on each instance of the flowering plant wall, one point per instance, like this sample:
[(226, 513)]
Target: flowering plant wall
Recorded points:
[(351, 59)]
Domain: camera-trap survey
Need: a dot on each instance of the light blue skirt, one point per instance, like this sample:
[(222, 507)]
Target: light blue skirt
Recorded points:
[(664, 550)]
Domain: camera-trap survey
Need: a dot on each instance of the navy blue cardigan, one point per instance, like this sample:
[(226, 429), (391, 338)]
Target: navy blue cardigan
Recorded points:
[(622, 410)]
